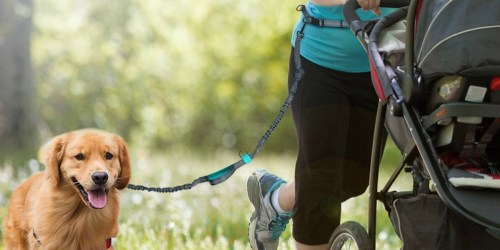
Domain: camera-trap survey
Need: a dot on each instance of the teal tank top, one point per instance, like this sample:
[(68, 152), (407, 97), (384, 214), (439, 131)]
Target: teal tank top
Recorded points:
[(334, 48)]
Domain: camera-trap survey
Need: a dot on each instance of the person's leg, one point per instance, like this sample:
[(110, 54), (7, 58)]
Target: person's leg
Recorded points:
[(286, 197), (324, 114), (320, 114), (286, 202), (315, 195)]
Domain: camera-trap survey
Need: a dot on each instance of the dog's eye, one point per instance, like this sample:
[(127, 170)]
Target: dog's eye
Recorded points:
[(80, 157), (109, 156)]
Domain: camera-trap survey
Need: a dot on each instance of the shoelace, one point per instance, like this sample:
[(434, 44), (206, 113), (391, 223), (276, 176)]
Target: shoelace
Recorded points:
[(278, 225)]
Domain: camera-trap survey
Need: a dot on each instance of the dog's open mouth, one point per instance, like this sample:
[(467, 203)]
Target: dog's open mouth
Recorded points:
[(95, 198)]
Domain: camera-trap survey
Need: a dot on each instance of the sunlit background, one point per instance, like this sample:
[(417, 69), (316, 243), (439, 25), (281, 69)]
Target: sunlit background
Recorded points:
[(188, 84)]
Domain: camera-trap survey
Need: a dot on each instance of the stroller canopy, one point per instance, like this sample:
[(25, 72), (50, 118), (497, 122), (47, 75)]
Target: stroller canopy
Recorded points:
[(458, 37)]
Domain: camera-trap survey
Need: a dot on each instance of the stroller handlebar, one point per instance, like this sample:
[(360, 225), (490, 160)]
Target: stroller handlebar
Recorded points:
[(353, 19)]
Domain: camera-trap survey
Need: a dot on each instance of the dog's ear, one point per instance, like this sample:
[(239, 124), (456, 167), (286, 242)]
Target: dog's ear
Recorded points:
[(51, 155), (124, 176)]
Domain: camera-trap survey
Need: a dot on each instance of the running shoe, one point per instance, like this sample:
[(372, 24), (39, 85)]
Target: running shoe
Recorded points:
[(266, 224)]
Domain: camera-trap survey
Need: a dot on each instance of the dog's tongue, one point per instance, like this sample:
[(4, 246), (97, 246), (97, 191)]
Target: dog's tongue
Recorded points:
[(98, 198)]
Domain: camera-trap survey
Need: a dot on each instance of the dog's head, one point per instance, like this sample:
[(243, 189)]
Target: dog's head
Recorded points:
[(92, 161)]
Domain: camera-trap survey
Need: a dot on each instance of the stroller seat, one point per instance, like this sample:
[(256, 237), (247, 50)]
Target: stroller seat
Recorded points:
[(463, 118)]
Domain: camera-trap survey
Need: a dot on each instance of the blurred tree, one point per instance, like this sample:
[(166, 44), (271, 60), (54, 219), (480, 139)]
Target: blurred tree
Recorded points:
[(18, 133), (206, 74)]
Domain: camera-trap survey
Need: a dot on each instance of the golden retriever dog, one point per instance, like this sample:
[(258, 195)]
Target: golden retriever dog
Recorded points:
[(73, 204)]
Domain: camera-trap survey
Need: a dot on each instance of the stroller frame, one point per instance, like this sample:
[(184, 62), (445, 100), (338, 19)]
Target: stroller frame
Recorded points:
[(400, 98)]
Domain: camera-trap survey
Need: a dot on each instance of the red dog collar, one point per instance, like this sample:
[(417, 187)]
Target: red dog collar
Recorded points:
[(108, 243)]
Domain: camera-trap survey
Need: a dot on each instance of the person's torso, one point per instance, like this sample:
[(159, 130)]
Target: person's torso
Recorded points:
[(334, 48)]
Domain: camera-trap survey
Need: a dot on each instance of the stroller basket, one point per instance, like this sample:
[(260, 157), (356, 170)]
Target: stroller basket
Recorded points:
[(425, 222)]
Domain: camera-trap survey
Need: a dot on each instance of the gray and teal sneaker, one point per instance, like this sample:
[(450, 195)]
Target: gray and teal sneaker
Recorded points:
[(266, 224)]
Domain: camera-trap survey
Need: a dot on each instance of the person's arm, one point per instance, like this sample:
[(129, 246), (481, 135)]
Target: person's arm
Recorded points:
[(370, 5)]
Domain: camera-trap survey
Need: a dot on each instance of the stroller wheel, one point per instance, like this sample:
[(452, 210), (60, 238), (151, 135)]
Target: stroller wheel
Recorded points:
[(349, 235)]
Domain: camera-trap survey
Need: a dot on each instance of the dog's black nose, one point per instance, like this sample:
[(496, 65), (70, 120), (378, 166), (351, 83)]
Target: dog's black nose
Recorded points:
[(100, 178)]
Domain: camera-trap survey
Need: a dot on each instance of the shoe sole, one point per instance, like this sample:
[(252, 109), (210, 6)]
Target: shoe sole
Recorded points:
[(253, 191)]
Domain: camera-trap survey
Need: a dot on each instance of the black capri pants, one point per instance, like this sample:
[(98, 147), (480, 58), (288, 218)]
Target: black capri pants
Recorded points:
[(334, 116)]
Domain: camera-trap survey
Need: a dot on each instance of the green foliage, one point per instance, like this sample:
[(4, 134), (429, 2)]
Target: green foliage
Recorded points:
[(203, 74)]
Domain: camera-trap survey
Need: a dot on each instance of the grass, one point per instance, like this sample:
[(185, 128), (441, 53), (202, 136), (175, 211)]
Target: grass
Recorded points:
[(205, 217)]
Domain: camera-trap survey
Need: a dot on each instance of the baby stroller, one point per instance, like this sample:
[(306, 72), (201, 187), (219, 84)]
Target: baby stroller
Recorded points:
[(439, 91)]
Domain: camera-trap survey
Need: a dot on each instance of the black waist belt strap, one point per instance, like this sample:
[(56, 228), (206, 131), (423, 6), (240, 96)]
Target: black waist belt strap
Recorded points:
[(321, 22)]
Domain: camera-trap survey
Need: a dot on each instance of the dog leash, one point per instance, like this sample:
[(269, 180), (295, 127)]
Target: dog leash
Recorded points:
[(224, 174)]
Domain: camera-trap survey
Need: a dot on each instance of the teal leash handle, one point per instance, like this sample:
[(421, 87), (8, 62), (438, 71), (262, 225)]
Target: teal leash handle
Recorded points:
[(213, 178), (224, 174)]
